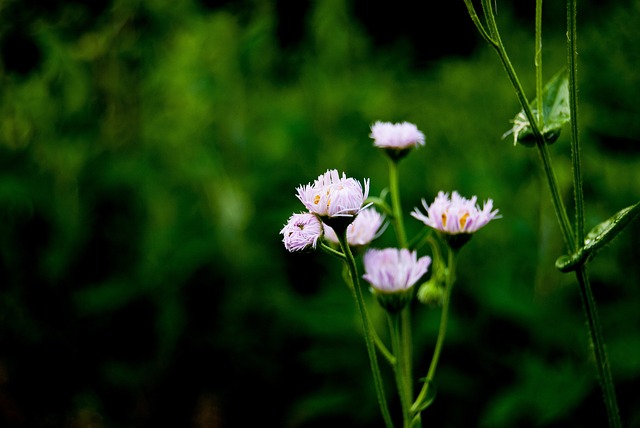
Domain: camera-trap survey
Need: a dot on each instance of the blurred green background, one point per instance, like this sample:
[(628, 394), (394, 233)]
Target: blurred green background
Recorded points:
[(150, 152)]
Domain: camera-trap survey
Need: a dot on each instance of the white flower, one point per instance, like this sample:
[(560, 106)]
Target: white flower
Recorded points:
[(398, 136), (394, 270), (301, 232), (331, 195), (456, 215), (365, 228)]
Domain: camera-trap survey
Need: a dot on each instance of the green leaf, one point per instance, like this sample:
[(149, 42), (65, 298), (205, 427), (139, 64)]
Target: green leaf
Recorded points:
[(555, 113), (425, 401), (598, 237)]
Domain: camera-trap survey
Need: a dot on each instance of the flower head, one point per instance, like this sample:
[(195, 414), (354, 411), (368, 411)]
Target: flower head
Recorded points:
[(332, 195), (396, 138), (301, 232), (392, 273), (365, 228), (457, 215), (393, 269)]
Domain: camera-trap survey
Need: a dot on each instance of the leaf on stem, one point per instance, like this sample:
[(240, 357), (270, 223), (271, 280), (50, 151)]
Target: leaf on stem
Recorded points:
[(555, 113), (598, 237), (381, 203), (425, 401)]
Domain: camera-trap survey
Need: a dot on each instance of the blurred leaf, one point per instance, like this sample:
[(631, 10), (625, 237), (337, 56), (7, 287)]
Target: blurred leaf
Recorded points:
[(598, 237)]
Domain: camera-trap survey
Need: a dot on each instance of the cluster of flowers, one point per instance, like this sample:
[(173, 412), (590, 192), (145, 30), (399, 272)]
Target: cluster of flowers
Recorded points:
[(337, 201)]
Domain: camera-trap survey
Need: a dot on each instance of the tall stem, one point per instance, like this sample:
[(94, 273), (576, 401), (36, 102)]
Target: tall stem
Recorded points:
[(395, 203), (444, 317), (362, 310), (573, 103), (600, 353), (442, 332), (538, 63), (399, 369), (588, 302), (405, 322), (552, 181)]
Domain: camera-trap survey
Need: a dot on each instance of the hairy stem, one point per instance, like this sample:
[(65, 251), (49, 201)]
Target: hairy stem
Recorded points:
[(399, 369), (599, 351), (362, 310), (442, 331)]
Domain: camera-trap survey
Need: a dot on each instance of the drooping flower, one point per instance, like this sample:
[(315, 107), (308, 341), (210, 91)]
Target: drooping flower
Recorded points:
[(334, 196), (392, 273), (396, 138), (367, 226), (301, 232), (456, 215)]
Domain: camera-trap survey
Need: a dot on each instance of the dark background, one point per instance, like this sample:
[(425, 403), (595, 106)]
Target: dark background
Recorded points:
[(149, 156)]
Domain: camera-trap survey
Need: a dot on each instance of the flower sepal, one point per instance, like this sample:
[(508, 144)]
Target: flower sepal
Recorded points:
[(393, 301), (338, 224), (455, 241), (396, 154)]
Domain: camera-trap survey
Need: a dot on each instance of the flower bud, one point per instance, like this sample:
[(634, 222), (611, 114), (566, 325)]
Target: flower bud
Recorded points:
[(301, 232)]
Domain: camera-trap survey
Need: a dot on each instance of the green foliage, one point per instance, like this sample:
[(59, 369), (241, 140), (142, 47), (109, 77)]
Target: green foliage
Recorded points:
[(150, 155)]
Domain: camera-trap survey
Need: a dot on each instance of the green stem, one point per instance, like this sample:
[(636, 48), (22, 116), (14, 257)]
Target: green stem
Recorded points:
[(474, 17), (362, 310), (538, 63), (573, 108), (327, 249), (399, 368), (552, 181), (444, 317), (407, 342), (395, 203), (405, 323), (600, 353), (588, 301), (381, 346)]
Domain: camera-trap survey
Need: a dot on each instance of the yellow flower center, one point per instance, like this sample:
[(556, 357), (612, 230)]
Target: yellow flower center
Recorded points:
[(463, 220)]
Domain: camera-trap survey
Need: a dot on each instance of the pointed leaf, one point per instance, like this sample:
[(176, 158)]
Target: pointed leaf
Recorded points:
[(555, 113), (598, 237), (425, 401)]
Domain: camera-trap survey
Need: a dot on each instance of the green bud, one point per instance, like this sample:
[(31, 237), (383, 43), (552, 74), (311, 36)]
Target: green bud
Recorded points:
[(431, 293)]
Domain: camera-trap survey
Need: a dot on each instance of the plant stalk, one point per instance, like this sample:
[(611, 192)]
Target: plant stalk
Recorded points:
[(362, 310)]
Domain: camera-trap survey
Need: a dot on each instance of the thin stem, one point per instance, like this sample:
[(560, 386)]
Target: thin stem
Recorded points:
[(407, 342), (573, 103), (478, 24), (405, 323), (376, 339), (327, 249), (395, 203), (538, 63), (552, 181), (558, 205), (444, 317), (600, 353), (381, 347), (588, 301), (399, 369), (362, 310)]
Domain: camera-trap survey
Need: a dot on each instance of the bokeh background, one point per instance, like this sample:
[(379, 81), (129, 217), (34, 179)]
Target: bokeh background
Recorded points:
[(150, 152)]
